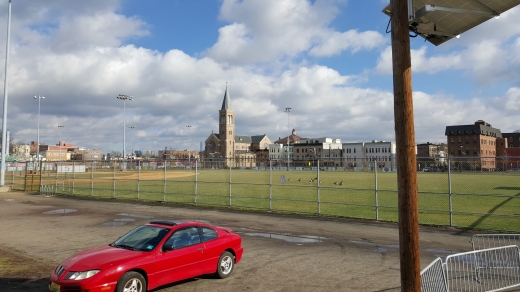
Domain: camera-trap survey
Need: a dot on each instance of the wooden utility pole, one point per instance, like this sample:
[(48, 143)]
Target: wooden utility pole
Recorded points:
[(405, 144)]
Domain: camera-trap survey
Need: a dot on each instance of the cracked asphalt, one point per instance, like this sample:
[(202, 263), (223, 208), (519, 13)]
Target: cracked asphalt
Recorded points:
[(281, 252)]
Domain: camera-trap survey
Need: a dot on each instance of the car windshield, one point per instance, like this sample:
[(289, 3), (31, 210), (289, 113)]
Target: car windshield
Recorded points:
[(143, 238)]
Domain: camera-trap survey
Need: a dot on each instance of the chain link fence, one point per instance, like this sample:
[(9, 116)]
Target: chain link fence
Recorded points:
[(471, 192)]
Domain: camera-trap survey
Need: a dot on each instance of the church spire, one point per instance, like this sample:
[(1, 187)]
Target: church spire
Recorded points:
[(226, 103)]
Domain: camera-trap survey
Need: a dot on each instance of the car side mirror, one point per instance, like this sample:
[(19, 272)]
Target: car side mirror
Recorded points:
[(167, 247)]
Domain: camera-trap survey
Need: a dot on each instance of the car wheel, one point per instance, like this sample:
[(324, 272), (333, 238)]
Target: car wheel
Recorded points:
[(131, 282), (225, 265)]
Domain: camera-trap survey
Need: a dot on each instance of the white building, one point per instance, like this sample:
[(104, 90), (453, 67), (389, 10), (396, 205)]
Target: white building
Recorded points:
[(365, 154), (21, 151)]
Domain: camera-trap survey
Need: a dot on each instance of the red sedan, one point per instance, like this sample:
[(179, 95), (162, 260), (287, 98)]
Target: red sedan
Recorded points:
[(150, 256)]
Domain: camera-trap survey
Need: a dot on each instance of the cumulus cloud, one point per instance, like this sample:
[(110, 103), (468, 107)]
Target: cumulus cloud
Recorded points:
[(267, 30)]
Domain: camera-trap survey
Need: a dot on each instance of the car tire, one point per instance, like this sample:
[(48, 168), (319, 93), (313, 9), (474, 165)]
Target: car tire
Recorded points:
[(131, 282), (225, 265)]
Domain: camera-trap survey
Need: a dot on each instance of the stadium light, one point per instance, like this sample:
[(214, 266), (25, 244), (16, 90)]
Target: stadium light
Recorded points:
[(124, 98)]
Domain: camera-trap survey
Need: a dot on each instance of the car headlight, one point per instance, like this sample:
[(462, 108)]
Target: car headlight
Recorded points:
[(81, 275)]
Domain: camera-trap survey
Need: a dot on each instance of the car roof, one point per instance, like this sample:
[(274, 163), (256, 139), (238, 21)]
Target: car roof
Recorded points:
[(174, 222)]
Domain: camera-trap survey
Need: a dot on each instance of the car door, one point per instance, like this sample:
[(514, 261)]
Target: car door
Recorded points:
[(213, 249), (185, 260)]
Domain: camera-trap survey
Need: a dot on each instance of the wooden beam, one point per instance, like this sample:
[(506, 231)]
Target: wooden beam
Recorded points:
[(405, 145)]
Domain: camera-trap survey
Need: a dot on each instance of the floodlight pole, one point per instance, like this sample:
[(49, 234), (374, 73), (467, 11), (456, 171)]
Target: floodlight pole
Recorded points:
[(4, 119), (288, 110), (405, 144), (38, 137), (132, 139), (61, 131), (189, 143)]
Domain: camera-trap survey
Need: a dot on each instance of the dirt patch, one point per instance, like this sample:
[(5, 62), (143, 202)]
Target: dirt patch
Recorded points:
[(21, 272)]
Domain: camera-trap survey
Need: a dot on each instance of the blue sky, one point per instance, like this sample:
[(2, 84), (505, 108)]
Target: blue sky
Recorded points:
[(329, 60)]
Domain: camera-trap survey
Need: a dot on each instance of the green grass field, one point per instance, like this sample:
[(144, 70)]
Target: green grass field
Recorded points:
[(478, 200)]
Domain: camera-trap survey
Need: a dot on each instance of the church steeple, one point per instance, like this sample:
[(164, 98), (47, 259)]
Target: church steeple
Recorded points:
[(226, 103), (227, 127)]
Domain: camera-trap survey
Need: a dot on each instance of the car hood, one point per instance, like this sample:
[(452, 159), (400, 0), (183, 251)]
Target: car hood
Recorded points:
[(100, 258)]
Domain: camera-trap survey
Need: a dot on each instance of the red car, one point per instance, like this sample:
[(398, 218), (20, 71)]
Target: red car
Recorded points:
[(150, 256)]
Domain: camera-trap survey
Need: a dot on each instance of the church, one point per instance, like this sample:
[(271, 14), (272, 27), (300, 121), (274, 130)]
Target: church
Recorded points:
[(235, 150)]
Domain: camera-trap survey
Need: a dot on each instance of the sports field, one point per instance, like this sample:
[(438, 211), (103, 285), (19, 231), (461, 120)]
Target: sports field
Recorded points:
[(476, 200)]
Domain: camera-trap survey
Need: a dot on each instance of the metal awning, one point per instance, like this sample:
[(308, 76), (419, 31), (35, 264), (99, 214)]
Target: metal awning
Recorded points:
[(440, 20)]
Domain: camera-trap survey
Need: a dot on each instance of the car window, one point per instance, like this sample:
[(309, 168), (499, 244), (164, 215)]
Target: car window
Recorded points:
[(208, 234), (184, 237), (143, 238)]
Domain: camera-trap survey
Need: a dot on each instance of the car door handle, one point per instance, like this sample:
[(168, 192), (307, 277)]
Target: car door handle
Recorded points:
[(199, 249)]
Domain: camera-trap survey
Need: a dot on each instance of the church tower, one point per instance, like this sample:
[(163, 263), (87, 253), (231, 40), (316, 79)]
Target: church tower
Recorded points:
[(227, 127)]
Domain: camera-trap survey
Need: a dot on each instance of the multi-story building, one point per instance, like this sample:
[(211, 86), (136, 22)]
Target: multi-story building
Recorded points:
[(60, 152), (87, 155), (513, 139), (327, 150), (354, 154), (21, 151), (383, 152), (477, 144), (364, 154), (283, 149), (432, 155)]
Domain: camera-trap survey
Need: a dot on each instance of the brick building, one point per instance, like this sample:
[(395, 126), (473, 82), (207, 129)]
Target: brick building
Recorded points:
[(479, 142)]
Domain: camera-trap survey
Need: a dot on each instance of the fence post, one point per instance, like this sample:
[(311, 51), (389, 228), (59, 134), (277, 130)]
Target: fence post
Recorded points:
[(138, 177), (196, 178), (73, 175), (270, 185), (57, 174), (449, 192), (230, 187), (164, 189), (25, 179), (375, 187), (92, 179), (114, 189), (40, 184), (318, 186)]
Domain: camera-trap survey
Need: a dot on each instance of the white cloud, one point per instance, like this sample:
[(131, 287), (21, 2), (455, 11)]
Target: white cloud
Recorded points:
[(267, 30), (420, 62), (337, 42)]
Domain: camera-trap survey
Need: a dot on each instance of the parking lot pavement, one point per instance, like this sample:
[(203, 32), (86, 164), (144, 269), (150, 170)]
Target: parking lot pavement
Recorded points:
[(282, 252)]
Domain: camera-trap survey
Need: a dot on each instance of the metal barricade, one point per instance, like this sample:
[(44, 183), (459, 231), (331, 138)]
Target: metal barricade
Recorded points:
[(433, 278), (493, 265), (47, 190), (492, 269), (483, 241)]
